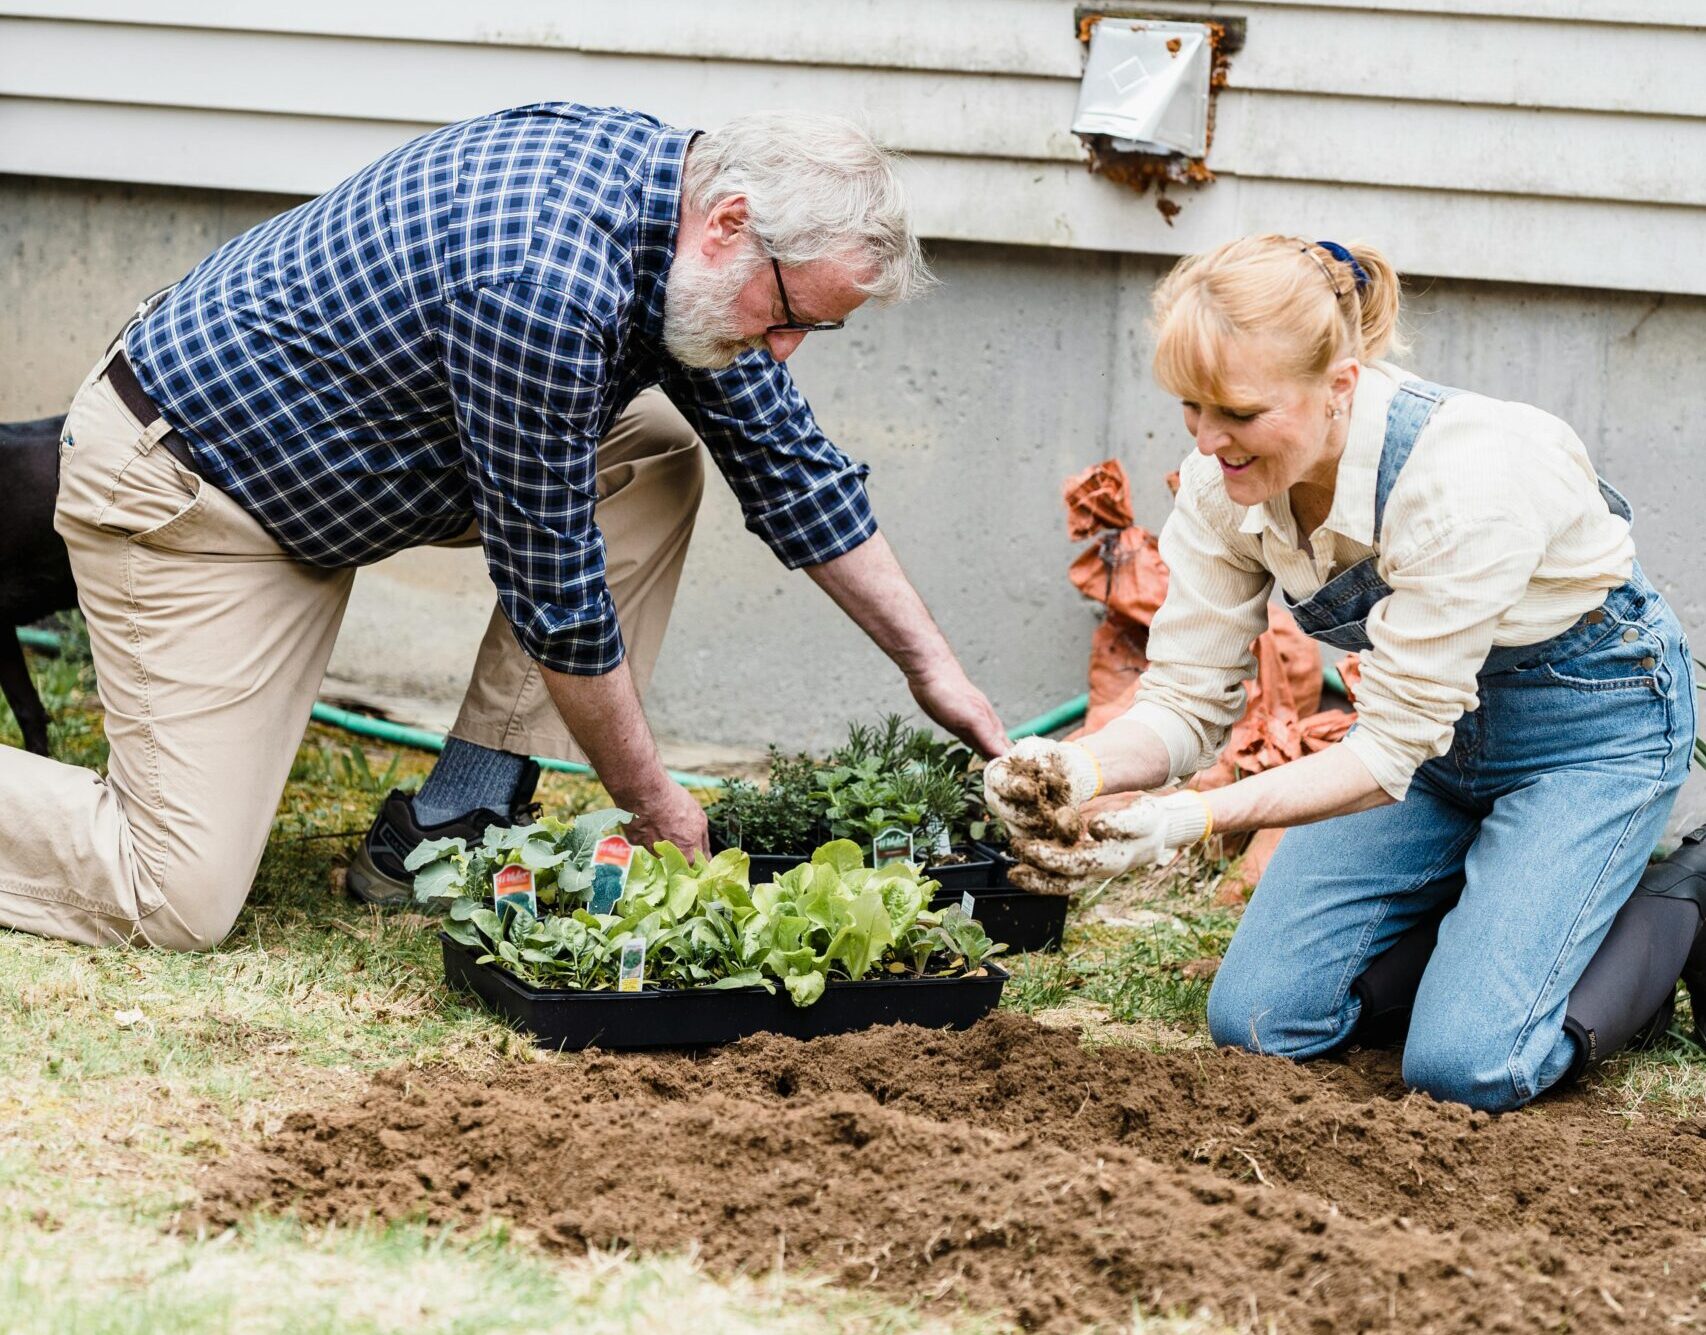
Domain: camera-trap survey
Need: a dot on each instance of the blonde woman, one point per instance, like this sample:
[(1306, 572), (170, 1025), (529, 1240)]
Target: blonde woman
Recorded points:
[(1525, 710)]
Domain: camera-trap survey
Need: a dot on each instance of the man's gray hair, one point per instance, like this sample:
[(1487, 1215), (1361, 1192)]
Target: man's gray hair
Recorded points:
[(816, 187)]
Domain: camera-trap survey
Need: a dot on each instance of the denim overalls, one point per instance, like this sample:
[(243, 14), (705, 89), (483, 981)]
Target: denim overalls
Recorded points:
[(1545, 809)]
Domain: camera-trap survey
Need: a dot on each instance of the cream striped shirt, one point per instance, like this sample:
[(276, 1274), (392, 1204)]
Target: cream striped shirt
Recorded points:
[(1495, 534)]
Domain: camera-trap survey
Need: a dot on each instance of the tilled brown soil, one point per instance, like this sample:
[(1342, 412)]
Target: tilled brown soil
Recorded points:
[(1009, 1169)]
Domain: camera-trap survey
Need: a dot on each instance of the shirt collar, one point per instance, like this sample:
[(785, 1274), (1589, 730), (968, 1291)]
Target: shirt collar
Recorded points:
[(1352, 514), (660, 217)]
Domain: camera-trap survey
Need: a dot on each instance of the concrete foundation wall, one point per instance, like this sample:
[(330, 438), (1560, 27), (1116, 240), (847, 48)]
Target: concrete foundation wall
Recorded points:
[(971, 406)]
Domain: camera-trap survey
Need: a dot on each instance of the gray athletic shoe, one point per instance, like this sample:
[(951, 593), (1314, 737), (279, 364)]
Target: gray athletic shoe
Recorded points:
[(377, 875)]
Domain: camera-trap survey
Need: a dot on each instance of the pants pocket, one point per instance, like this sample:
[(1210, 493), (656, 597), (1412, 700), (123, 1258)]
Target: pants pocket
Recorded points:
[(1626, 660), (160, 497), (109, 480)]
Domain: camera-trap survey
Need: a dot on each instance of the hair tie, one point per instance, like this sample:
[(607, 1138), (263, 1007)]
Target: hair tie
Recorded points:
[(1339, 252)]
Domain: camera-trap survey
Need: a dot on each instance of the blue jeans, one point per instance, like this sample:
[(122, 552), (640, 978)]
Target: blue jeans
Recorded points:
[(1553, 794)]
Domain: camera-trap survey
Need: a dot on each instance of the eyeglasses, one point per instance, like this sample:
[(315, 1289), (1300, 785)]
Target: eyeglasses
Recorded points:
[(790, 325)]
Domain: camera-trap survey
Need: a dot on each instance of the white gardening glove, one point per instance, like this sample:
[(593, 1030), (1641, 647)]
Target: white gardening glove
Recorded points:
[(1038, 786), (1145, 834)]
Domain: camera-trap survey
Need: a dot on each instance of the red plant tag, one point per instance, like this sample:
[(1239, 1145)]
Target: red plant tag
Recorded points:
[(512, 887), (610, 863)]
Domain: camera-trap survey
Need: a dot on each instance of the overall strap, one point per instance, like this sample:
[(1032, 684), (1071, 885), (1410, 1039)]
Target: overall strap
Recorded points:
[(1412, 407)]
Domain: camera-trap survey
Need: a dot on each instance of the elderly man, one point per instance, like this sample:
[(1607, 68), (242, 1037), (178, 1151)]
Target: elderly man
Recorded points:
[(452, 345)]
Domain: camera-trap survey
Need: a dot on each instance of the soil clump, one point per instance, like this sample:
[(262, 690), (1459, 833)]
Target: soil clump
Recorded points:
[(1043, 793), (1009, 1169)]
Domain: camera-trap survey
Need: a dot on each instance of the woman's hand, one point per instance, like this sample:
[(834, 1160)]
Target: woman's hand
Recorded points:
[(1037, 788), (1145, 833)]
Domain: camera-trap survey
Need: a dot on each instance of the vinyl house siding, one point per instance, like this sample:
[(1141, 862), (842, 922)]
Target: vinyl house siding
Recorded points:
[(1475, 128)]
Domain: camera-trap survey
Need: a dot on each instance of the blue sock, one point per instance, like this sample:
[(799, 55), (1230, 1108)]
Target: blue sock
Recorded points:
[(466, 777)]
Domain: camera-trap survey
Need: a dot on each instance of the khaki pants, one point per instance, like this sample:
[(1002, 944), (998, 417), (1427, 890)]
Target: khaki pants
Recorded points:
[(209, 646)]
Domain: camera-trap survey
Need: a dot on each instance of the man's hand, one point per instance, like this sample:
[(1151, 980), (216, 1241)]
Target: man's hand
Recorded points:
[(604, 715), (948, 696), (1038, 786), (674, 814), (1147, 833)]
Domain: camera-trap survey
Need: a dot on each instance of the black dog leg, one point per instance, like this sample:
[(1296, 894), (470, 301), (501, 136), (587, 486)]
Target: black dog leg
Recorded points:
[(20, 693)]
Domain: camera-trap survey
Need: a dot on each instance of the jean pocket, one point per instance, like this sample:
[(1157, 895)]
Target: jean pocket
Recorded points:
[(1628, 659), (153, 496)]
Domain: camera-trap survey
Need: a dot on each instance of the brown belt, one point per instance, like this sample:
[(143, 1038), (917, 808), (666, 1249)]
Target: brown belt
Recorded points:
[(130, 393)]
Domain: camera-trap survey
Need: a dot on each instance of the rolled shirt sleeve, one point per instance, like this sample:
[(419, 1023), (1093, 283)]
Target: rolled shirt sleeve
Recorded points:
[(1200, 642), (798, 492), (527, 374)]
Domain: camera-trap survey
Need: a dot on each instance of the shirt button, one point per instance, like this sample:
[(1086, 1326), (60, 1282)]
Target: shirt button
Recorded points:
[(1631, 635), (1649, 663), (1596, 616)]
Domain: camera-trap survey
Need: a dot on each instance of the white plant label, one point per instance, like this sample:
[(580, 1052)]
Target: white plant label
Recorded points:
[(632, 974)]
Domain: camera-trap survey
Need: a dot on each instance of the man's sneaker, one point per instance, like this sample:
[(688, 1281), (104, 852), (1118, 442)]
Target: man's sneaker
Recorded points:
[(377, 875)]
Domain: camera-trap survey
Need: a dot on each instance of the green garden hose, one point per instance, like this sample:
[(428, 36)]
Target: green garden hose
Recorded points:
[(424, 739)]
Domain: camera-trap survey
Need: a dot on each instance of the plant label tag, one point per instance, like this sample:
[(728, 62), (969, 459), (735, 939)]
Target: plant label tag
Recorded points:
[(632, 974), (512, 888), (610, 863), (943, 847), (891, 845), (967, 903)]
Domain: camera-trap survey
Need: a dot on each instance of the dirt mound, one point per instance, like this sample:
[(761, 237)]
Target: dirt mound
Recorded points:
[(1007, 1168)]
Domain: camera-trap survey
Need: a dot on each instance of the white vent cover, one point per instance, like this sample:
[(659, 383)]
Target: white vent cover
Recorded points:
[(1146, 84)]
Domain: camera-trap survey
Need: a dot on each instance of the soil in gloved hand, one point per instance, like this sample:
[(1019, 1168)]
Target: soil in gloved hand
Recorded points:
[(1043, 794)]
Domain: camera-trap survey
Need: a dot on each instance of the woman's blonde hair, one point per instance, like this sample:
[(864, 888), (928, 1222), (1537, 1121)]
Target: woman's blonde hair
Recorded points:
[(1300, 294)]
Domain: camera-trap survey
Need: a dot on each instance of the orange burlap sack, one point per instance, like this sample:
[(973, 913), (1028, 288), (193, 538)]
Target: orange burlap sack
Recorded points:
[(1123, 571)]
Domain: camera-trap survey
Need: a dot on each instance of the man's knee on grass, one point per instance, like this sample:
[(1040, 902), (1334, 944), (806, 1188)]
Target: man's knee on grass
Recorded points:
[(187, 926)]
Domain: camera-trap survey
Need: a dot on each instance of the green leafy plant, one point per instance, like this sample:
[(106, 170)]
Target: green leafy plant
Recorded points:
[(886, 774), (785, 816), (892, 774), (704, 925), (558, 853)]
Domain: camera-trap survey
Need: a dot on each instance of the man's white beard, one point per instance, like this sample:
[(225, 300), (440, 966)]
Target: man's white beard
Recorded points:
[(698, 313)]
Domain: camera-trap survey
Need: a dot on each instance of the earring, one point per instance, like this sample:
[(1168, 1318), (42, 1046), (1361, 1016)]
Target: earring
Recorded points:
[(1335, 414)]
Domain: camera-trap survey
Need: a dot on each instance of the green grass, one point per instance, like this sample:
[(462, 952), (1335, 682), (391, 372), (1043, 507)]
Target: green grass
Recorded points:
[(1137, 963), (273, 1275), (129, 1071)]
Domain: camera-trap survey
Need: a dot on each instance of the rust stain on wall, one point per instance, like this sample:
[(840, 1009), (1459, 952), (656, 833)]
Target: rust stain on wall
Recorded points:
[(1141, 171)]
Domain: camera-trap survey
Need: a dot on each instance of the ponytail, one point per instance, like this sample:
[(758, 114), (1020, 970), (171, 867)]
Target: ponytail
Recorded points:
[(1379, 299)]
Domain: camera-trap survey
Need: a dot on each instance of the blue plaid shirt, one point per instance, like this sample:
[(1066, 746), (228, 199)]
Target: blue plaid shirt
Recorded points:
[(446, 336)]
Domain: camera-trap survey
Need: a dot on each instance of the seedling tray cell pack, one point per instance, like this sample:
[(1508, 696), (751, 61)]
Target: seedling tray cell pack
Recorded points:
[(1021, 921), (703, 1017)]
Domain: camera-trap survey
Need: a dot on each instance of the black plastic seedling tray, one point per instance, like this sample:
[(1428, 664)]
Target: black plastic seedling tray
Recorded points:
[(702, 1017), (1017, 918), (999, 860)]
